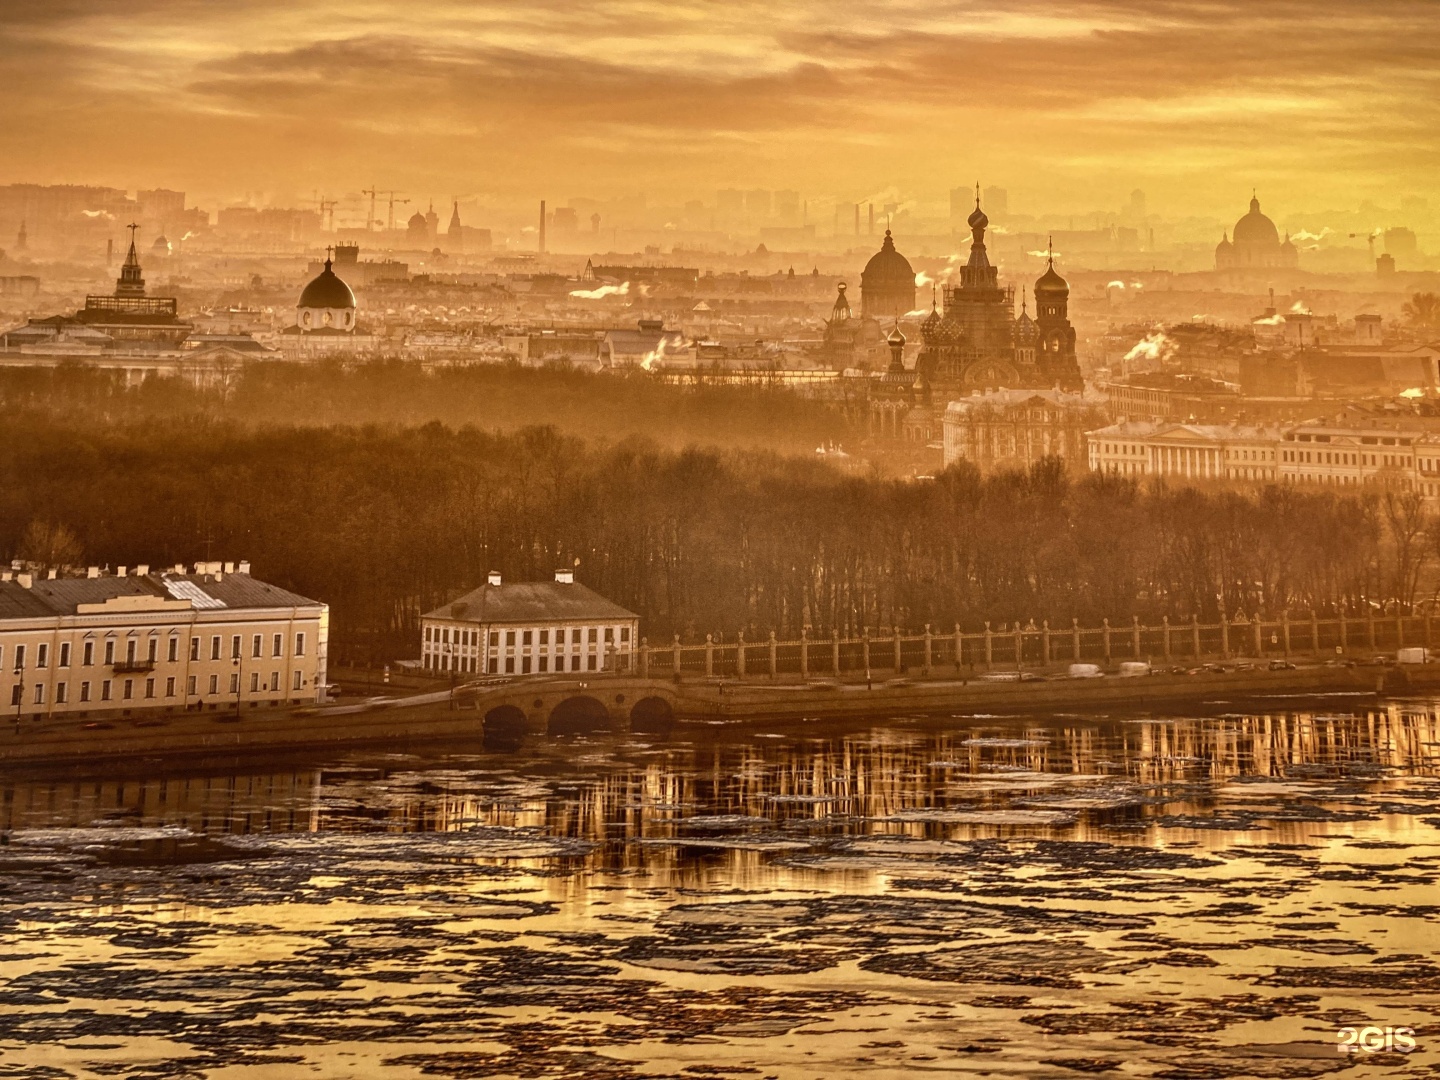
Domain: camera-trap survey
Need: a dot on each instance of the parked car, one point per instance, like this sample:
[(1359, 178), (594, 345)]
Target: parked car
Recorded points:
[(1129, 669), (1281, 665), (1415, 654), (1000, 676), (1086, 671)]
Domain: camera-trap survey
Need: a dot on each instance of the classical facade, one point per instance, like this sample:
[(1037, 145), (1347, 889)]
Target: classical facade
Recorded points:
[(1017, 428), (137, 641), (976, 342), (887, 284), (1256, 245), (529, 628)]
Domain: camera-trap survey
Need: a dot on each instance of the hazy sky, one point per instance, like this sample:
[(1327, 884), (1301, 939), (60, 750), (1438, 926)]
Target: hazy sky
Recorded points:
[(1320, 103)]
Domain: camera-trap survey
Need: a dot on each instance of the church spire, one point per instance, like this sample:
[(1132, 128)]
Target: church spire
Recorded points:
[(130, 282)]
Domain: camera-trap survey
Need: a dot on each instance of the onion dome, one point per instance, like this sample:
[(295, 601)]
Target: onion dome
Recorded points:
[(327, 291), (977, 218), (895, 338), (1224, 245), (1050, 283), (931, 323), (888, 267), (1256, 228)]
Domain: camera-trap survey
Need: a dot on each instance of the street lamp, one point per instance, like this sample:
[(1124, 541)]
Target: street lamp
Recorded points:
[(19, 689), (239, 662)]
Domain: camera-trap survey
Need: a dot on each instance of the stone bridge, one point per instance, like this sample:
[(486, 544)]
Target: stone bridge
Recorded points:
[(563, 706)]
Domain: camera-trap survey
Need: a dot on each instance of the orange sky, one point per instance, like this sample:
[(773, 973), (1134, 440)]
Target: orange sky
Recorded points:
[(1320, 104)]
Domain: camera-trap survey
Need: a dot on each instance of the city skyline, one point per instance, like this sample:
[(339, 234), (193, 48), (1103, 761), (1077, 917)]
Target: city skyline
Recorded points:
[(1318, 104)]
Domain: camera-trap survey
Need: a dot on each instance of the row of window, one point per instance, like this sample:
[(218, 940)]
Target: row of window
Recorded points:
[(129, 686), (444, 635), (512, 665), (152, 652)]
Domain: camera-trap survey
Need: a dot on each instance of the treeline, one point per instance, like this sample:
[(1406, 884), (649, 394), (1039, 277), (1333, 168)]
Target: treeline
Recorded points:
[(503, 397), (384, 523)]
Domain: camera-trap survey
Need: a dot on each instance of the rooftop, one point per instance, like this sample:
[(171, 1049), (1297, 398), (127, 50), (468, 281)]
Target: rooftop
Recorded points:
[(211, 585), (531, 601)]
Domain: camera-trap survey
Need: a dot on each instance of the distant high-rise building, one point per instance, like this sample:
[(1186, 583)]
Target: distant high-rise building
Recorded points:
[(757, 203), (160, 206), (787, 205), (997, 200), (1136, 209), (565, 221), (730, 202), (1401, 243), (540, 245)]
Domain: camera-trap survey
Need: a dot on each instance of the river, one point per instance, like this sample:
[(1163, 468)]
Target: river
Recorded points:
[(1054, 896)]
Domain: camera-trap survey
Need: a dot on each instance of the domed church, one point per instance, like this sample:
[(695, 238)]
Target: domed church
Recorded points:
[(327, 306), (978, 343), (887, 284), (1256, 245)]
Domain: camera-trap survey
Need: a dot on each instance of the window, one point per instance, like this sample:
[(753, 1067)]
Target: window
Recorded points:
[(544, 637), (214, 684), (130, 651), (17, 692), (494, 639), (254, 682), (445, 635), (594, 635), (19, 657), (625, 633), (234, 682), (494, 666), (154, 650), (149, 688), (592, 662), (575, 636), (299, 644), (235, 647), (65, 654), (194, 648), (277, 645), (109, 651), (84, 691), (190, 686), (39, 693), (544, 662), (61, 694), (427, 633), (609, 635), (128, 691), (298, 681), (510, 638), (174, 653), (215, 647), (255, 643), (510, 665), (170, 686), (575, 662), (89, 653), (525, 664), (274, 681), (42, 655)]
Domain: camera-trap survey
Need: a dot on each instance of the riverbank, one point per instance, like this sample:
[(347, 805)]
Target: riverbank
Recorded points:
[(537, 708)]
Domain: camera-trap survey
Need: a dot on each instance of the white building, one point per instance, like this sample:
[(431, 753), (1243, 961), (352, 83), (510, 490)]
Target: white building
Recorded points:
[(1196, 451), (134, 641), (529, 628)]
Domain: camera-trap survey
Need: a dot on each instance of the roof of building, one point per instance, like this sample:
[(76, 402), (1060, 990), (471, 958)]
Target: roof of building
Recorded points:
[(327, 291), (887, 267), (1003, 399), (531, 601), (1256, 228), (47, 598)]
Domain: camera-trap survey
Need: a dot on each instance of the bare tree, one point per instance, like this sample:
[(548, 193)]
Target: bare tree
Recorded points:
[(1407, 520), (48, 544)]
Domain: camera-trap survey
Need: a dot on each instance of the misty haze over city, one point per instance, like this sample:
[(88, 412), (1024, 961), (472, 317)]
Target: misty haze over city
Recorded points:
[(684, 540)]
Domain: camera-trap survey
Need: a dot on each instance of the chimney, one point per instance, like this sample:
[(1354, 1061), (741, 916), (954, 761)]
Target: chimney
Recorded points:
[(243, 567), (119, 571), (229, 568), (199, 568), (92, 572), (6, 575), (542, 226), (493, 578), (564, 577), (142, 569), (25, 580)]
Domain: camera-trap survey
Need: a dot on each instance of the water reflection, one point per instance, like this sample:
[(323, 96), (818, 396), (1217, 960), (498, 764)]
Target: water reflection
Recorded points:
[(1178, 896)]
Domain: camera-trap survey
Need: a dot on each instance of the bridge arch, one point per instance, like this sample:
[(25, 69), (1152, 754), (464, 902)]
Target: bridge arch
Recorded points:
[(504, 728), (579, 715), (651, 714)]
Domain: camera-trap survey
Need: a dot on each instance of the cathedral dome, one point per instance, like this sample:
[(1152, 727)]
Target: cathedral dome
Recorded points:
[(888, 267), (327, 291), (1256, 228), (417, 221), (1052, 283)]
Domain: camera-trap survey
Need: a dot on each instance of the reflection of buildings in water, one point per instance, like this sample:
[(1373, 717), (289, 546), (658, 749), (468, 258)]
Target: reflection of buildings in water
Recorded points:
[(811, 787), (234, 804)]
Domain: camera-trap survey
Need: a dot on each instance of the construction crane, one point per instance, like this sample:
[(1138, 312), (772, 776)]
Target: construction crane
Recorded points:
[(392, 197), (1369, 239)]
